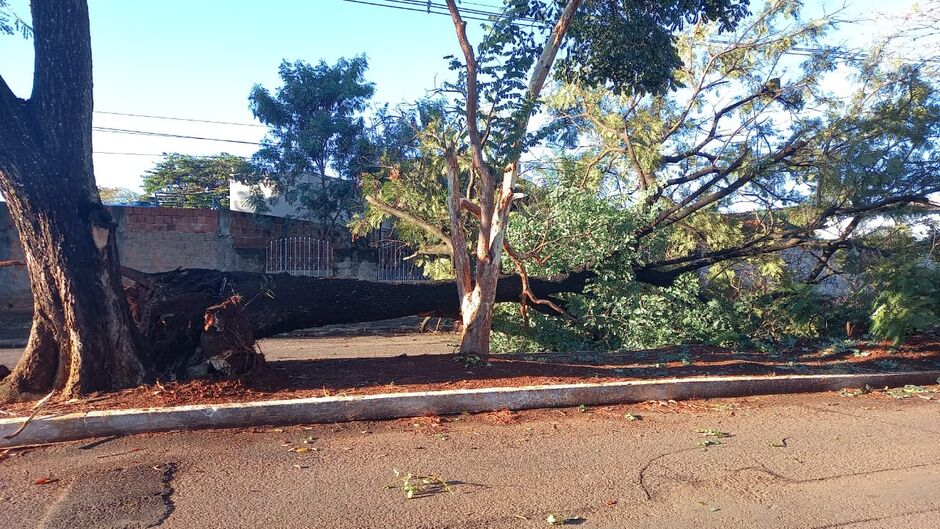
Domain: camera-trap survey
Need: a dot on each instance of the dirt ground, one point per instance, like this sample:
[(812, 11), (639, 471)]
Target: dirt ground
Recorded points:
[(818, 461), (355, 365)]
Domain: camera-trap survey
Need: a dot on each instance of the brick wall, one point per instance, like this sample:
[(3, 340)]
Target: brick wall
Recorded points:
[(162, 239), (14, 284)]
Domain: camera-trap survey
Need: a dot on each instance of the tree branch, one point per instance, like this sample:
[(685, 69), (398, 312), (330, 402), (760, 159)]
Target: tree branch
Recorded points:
[(461, 260), (411, 219), (12, 129), (713, 131), (468, 205), (473, 130), (544, 64), (822, 261), (527, 291)]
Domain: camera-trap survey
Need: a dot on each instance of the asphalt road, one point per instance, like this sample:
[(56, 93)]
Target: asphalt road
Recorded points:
[(801, 461), (307, 348)]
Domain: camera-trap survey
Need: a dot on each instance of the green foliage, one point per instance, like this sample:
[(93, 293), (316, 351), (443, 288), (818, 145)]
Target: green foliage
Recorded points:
[(406, 186), (118, 195), (315, 128), (562, 227), (202, 181), (707, 186), (859, 154), (630, 46), (907, 300), (11, 23)]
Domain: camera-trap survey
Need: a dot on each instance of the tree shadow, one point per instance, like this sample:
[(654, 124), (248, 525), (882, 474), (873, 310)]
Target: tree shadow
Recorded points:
[(445, 371)]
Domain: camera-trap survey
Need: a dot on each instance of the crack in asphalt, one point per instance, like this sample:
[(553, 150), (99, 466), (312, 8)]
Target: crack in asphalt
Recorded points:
[(760, 467), (874, 419), (169, 472), (875, 519), (641, 478)]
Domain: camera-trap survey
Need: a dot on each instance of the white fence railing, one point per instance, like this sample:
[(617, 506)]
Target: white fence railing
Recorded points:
[(395, 263), (301, 256)]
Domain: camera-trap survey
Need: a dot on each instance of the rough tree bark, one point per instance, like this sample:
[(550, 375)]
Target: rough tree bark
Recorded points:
[(82, 338)]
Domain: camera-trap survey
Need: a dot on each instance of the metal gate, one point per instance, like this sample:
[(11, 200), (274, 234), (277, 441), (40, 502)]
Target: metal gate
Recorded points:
[(299, 256), (393, 262)]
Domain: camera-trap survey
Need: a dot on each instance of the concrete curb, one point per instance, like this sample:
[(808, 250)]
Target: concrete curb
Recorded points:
[(394, 405)]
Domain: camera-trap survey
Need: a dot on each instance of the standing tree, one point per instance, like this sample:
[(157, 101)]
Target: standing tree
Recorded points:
[(82, 338), (644, 200), (200, 181), (315, 128), (627, 45)]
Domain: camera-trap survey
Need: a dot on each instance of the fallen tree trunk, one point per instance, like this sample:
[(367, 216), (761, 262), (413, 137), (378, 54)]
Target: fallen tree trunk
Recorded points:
[(170, 307)]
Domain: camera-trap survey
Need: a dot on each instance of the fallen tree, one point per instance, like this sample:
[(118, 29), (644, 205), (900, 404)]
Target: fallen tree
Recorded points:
[(170, 308)]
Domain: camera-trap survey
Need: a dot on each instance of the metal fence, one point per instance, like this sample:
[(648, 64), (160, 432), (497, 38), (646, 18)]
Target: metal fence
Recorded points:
[(301, 256), (197, 200), (395, 263)]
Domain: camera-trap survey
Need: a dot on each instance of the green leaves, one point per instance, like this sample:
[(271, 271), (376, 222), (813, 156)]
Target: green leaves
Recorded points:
[(907, 301), (202, 181), (629, 46), (11, 23), (315, 128)]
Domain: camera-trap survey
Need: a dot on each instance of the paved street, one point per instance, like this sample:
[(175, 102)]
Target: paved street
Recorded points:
[(320, 347), (801, 461)]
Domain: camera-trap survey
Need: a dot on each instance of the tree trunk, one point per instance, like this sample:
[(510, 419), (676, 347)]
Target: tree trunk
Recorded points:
[(82, 339), (477, 322), (169, 307)]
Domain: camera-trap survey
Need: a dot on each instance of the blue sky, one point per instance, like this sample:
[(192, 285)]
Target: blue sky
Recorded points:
[(199, 59)]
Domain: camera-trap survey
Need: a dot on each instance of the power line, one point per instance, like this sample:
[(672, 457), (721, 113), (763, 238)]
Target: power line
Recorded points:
[(152, 154), (168, 135), (427, 6), (173, 118), (424, 6), (419, 6), (127, 153)]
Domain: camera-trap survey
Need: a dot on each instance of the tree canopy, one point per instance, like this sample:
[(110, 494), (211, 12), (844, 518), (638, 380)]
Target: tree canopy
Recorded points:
[(686, 202), (316, 138), (196, 181)]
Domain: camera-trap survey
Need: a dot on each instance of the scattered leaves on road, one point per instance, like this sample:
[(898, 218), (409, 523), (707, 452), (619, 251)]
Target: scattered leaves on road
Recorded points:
[(558, 519), (45, 481), (708, 442), (632, 417), (906, 392), (854, 392), (414, 485), (711, 432)]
